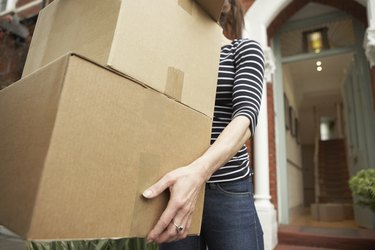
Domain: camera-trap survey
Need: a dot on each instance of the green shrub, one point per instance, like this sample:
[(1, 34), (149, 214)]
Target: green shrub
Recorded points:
[(363, 187), (119, 244)]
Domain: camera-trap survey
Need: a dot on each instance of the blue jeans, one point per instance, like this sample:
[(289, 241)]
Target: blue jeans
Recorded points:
[(230, 221)]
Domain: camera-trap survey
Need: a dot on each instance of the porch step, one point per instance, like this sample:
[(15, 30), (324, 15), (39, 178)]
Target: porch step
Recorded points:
[(291, 247), (10, 241), (326, 238)]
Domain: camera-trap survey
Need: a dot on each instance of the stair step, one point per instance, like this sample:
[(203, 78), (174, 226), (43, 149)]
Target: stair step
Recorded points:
[(334, 179), (330, 192), (334, 200), (333, 238), (334, 185)]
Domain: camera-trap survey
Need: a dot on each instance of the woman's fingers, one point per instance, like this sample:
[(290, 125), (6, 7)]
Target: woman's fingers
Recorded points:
[(169, 235), (158, 187), (180, 224), (188, 218), (175, 231), (174, 223), (163, 223), (187, 223), (175, 216)]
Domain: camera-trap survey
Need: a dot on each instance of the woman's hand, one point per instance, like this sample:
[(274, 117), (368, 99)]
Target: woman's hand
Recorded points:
[(184, 185)]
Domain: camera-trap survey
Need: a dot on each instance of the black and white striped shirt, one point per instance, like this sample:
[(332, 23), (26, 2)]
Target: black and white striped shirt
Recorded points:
[(239, 93)]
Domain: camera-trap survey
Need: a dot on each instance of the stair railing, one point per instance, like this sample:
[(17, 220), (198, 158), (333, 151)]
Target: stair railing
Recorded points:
[(316, 155)]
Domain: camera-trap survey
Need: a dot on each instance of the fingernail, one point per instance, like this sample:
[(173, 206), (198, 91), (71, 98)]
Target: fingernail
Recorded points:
[(147, 193), (148, 241)]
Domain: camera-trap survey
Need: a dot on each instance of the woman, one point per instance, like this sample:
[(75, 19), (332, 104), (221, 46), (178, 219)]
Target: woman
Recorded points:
[(230, 221)]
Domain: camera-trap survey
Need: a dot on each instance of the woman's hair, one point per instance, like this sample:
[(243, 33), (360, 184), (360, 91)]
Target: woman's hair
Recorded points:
[(232, 18)]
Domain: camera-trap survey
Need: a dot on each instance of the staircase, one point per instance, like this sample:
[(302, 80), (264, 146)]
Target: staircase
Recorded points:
[(333, 172)]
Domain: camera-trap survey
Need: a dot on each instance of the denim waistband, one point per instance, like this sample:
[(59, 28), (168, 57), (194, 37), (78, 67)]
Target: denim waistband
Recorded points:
[(240, 181)]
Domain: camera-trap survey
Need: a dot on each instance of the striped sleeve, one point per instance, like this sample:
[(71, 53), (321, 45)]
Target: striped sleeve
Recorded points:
[(248, 81)]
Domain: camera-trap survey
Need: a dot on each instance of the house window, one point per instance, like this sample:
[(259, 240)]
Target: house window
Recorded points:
[(315, 40)]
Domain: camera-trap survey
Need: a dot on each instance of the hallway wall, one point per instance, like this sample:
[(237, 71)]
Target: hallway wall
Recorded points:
[(293, 151), (308, 173)]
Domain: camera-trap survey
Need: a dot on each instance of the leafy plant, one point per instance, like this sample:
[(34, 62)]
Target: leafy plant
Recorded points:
[(363, 186), (110, 244)]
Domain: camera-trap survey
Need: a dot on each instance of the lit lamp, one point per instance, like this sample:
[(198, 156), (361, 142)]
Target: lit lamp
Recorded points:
[(315, 40)]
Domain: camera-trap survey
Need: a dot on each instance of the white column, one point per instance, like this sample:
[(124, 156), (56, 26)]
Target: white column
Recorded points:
[(11, 4), (369, 39), (265, 209), (371, 13), (261, 157)]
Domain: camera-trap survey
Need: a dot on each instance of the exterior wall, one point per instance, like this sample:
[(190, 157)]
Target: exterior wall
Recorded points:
[(373, 85)]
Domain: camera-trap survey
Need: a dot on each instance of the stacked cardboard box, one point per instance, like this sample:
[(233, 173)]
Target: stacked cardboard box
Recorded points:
[(171, 46), (82, 134)]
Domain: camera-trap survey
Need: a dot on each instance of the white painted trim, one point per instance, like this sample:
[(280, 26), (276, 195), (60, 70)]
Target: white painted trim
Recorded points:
[(280, 138), (11, 7), (265, 11), (11, 4), (269, 65), (369, 45)]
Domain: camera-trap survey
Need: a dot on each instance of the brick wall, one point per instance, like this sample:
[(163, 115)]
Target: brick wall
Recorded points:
[(271, 145), (13, 49), (13, 52)]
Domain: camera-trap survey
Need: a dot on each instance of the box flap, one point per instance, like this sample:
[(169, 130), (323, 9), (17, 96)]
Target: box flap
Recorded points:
[(212, 7)]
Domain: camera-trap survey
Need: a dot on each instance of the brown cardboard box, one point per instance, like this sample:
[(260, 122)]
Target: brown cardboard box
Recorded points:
[(171, 45), (78, 146)]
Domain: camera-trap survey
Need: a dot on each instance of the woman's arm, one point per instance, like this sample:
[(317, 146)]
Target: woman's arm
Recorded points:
[(185, 183)]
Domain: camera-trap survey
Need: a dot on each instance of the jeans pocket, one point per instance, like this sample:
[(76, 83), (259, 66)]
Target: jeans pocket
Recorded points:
[(242, 188)]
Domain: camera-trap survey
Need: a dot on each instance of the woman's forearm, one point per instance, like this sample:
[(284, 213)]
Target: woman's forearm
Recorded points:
[(225, 147), (185, 182)]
